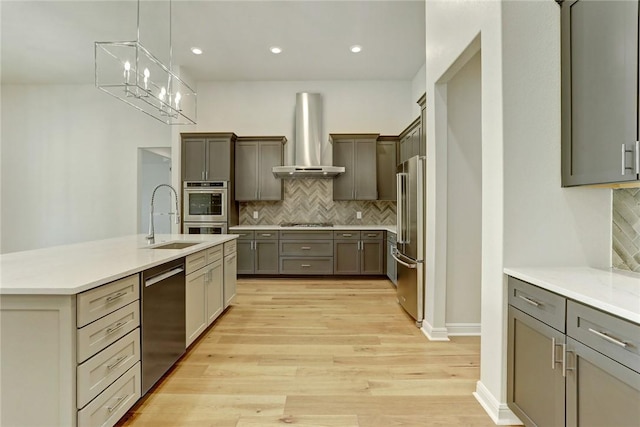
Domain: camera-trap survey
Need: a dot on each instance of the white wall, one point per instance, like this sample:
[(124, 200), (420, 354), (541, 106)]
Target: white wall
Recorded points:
[(154, 168), (268, 108), (464, 199), (418, 88), (69, 165), (527, 219)]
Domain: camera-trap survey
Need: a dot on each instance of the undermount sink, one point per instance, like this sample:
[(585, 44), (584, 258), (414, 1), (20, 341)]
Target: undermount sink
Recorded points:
[(175, 245)]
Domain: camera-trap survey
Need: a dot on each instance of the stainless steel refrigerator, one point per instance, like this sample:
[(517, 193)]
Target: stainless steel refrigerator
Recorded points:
[(409, 250)]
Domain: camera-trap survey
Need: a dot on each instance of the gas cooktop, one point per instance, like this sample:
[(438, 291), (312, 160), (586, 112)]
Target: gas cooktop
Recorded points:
[(306, 224)]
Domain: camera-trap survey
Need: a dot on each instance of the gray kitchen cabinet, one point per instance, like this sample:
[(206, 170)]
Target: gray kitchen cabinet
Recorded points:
[(392, 267), (258, 252), (358, 252), (422, 102), (208, 156), (386, 166), (410, 139), (306, 252), (599, 92), (255, 157), (568, 363), (357, 154)]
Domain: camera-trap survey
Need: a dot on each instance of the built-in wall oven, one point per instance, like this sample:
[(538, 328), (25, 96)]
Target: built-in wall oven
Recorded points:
[(205, 201), (205, 228)]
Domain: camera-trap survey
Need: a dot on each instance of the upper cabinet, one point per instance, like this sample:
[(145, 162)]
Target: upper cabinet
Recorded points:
[(386, 167), (357, 153), (410, 141), (207, 157), (255, 157), (599, 92)]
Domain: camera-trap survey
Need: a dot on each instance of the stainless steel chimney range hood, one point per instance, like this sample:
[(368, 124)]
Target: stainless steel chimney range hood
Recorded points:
[(309, 143)]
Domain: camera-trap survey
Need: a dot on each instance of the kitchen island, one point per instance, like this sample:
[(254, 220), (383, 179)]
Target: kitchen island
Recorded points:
[(69, 319)]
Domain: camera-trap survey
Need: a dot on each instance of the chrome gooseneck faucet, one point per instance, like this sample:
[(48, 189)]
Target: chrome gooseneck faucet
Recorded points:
[(151, 237)]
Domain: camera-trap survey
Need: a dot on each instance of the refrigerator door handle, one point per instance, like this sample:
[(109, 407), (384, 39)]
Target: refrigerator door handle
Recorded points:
[(395, 254), (401, 191)]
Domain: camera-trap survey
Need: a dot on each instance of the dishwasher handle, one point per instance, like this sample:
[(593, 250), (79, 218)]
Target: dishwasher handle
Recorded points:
[(160, 277)]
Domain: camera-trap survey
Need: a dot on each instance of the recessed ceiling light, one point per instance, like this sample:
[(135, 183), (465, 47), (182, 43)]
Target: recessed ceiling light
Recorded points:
[(275, 49), (356, 48), (196, 51)]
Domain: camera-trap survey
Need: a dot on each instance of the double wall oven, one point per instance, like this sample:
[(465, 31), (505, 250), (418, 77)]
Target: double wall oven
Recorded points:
[(205, 207)]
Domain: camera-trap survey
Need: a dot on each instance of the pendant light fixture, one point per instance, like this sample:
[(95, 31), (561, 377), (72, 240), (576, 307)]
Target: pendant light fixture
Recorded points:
[(129, 72)]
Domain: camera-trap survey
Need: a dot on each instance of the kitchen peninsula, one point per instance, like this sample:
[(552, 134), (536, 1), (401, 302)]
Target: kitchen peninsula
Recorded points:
[(70, 320)]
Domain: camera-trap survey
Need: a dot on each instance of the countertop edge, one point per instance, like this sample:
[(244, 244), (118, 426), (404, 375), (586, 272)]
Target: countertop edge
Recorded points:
[(574, 283), (389, 228)]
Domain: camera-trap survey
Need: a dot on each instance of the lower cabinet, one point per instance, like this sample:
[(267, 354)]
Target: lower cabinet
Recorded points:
[(230, 272), (582, 371), (203, 291), (306, 252), (358, 252), (258, 252)]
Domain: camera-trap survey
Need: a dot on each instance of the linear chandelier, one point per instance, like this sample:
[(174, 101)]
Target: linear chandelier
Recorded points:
[(129, 72)]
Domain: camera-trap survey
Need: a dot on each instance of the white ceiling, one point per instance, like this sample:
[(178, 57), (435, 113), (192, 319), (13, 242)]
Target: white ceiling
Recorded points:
[(52, 41)]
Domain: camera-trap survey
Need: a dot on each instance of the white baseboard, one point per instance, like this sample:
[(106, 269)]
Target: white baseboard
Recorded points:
[(463, 329), (434, 334), (499, 412)]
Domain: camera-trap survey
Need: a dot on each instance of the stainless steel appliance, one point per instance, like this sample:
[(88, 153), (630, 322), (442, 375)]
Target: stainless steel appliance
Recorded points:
[(163, 320), (409, 250), (205, 201), (204, 228)]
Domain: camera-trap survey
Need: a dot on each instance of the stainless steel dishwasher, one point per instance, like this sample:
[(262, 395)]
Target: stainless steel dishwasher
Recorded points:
[(163, 320)]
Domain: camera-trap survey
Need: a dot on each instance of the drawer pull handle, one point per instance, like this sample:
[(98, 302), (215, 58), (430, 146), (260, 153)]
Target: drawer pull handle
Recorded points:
[(115, 327), (115, 296), (266, 234), (116, 362), (306, 248), (305, 265), (119, 401), (611, 339), (530, 301), (372, 235), (346, 234)]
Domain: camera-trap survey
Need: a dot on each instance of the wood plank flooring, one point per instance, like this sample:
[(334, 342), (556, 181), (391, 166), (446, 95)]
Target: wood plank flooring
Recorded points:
[(317, 353)]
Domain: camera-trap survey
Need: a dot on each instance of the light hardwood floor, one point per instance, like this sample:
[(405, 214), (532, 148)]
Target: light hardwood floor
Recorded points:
[(317, 353)]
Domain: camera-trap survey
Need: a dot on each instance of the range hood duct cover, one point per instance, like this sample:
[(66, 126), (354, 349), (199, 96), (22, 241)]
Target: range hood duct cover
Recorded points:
[(308, 142)]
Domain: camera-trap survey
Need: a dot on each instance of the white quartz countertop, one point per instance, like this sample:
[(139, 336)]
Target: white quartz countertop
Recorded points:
[(614, 291), (71, 269), (390, 228)]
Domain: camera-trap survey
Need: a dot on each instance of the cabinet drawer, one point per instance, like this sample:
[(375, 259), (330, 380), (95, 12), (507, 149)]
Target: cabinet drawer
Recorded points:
[(103, 332), (614, 337), (372, 235), (310, 248), (346, 235), (215, 253), (101, 370), (309, 265), (266, 235), (244, 234), (195, 261), (103, 300), (230, 247), (114, 402), (306, 235), (545, 306)]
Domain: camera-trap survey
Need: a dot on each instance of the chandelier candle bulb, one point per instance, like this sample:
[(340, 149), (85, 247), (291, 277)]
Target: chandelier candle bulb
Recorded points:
[(127, 69), (146, 79)]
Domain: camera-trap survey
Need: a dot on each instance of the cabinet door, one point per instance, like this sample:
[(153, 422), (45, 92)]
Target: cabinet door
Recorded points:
[(270, 155), (404, 149), (346, 257), (218, 159), (600, 391), (535, 385), (245, 257), (371, 257), (215, 291), (230, 278), (193, 159), (386, 170), (599, 90), (343, 155), (365, 170), (266, 257), (195, 307), (246, 171)]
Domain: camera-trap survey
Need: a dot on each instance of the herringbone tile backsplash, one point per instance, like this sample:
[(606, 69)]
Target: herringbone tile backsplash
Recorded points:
[(626, 229), (311, 200)]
